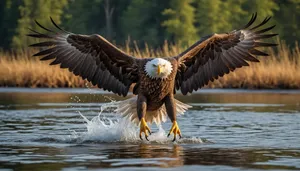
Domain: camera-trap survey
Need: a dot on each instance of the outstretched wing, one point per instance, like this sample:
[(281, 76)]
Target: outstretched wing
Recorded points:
[(90, 56), (218, 54)]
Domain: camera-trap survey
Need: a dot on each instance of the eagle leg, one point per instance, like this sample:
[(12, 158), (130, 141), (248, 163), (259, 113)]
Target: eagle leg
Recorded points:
[(144, 128), (141, 112), (171, 110), (175, 130)]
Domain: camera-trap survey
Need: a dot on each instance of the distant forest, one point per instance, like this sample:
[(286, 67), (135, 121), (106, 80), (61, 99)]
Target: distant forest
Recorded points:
[(144, 21)]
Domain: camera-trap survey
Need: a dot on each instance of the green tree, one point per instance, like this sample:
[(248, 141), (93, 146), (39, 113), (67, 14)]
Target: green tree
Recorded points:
[(8, 21), (287, 20), (84, 17), (263, 8), (40, 10), (142, 21), (237, 15), (217, 16), (96, 17), (180, 21)]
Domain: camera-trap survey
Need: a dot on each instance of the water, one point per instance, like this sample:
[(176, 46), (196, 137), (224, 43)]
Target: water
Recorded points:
[(65, 129)]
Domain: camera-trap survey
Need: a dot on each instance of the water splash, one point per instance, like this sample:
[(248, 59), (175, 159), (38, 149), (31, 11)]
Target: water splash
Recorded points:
[(105, 130), (102, 129)]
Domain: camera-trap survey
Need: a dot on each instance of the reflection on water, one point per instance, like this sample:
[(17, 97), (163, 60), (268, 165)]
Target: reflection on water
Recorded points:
[(225, 130), (145, 155)]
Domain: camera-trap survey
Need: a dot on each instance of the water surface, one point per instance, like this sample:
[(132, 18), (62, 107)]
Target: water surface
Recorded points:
[(62, 129)]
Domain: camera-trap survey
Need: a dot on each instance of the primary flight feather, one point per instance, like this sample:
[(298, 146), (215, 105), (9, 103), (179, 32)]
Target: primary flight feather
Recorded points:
[(156, 79)]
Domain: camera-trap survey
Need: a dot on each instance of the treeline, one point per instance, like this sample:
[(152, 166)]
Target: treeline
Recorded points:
[(145, 21)]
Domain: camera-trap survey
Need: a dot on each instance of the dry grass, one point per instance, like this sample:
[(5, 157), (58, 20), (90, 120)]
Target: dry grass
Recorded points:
[(280, 70), (22, 70)]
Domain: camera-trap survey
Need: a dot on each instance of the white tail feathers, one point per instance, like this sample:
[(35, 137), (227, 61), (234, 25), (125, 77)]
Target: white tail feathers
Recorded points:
[(127, 108)]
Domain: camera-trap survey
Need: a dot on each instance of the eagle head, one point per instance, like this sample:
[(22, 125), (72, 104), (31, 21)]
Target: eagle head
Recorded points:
[(158, 68)]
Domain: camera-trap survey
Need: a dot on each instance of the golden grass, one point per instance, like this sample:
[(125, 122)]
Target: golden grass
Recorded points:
[(22, 70), (280, 70)]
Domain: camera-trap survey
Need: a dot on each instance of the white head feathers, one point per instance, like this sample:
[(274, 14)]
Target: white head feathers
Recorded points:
[(158, 68)]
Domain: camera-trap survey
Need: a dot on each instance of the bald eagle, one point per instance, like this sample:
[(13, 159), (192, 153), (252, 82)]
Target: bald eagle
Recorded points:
[(155, 80)]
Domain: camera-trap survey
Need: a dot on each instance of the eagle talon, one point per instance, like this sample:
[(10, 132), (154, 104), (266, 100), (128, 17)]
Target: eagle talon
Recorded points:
[(144, 129), (174, 139), (175, 130)]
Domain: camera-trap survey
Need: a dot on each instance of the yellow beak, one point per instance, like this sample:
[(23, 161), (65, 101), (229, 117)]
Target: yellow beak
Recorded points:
[(158, 70)]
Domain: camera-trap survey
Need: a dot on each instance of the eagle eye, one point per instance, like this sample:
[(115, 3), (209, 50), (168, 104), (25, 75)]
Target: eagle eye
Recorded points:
[(153, 65)]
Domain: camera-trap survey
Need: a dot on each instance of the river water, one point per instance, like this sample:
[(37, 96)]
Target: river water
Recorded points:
[(69, 129)]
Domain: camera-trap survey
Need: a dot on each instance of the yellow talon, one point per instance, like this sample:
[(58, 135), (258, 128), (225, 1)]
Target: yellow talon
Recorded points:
[(144, 128), (175, 130)]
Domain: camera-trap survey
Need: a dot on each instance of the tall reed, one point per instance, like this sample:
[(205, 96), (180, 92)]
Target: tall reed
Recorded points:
[(279, 70)]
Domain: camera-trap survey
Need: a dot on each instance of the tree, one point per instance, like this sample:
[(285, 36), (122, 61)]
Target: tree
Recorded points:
[(287, 20), (263, 8), (108, 18), (237, 15), (180, 21), (216, 16), (8, 21), (85, 17), (40, 10), (141, 20)]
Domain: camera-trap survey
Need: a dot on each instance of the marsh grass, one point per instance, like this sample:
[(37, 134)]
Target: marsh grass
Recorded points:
[(279, 70)]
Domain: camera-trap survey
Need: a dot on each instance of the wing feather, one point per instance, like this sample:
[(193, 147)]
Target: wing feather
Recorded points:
[(216, 55), (90, 56)]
